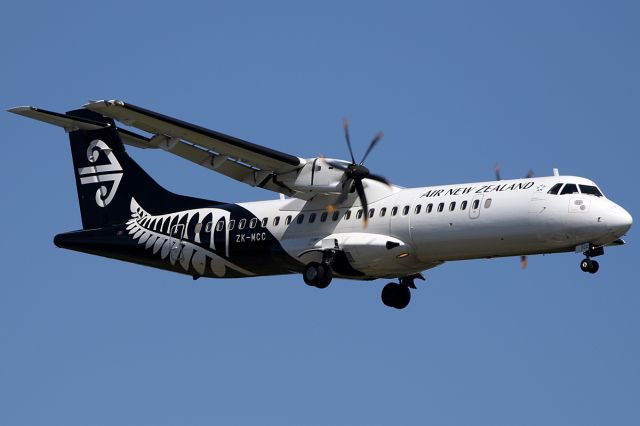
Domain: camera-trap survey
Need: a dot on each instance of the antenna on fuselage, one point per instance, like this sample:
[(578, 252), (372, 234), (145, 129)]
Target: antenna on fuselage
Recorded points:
[(556, 172)]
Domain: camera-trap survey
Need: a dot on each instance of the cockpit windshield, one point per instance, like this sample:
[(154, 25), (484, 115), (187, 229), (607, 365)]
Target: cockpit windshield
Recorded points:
[(590, 190), (569, 188), (572, 188)]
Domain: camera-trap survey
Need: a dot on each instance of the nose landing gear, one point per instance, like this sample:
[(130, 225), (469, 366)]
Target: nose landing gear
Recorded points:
[(588, 265)]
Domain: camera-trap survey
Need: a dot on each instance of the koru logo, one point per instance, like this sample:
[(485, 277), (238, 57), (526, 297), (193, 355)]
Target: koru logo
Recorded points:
[(111, 172)]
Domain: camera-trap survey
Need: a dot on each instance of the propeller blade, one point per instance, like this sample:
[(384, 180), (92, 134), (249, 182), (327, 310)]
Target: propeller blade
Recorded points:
[(496, 169), (345, 125), (523, 261), (363, 201), (529, 174), (373, 143), (344, 194), (379, 179)]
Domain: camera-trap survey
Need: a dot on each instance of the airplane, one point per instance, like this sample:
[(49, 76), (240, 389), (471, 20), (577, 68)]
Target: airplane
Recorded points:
[(333, 218)]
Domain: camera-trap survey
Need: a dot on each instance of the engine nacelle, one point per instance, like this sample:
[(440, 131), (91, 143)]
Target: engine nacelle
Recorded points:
[(318, 176)]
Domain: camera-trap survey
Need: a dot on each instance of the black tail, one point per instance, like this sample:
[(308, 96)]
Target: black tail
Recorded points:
[(108, 179)]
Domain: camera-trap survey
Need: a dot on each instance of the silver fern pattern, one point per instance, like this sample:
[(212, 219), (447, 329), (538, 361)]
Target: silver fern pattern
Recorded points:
[(149, 230)]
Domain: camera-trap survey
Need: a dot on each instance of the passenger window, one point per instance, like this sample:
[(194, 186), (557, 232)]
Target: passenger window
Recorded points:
[(347, 214), (590, 190), (197, 228), (383, 211), (394, 211), (276, 220), (207, 228), (323, 217), (372, 212), (312, 217), (418, 209), (219, 225), (452, 206), (555, 189), (569, 188), (429, 208), (253, 222), (287, 220), (300, 219), (487, 203), (336, 215), (359, 214), (405, 211), (475, 205), (242, 223), (463, 205), (232, 224), (440, 207), (265, 220)]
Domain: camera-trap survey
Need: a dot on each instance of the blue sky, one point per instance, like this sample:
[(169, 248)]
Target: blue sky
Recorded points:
[(456, 86)]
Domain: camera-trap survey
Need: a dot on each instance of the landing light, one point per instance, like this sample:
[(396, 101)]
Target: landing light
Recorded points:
[(402, 255)]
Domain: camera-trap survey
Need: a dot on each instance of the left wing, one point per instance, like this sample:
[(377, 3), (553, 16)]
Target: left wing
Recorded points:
[(233, 157)]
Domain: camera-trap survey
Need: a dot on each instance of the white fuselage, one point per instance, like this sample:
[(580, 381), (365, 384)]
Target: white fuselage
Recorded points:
[(430, 225)]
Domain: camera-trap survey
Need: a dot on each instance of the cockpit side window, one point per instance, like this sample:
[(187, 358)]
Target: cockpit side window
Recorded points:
[(569, 188), (555, 189), (590, 190)]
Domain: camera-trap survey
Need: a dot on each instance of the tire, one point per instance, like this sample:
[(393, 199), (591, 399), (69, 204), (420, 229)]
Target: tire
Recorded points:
[(594, 267), (326, 275), (388, 294), (313, 274), (585, 265), (403, 297)]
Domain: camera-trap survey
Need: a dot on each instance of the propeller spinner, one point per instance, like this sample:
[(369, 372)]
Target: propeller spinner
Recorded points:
[(355, 173)]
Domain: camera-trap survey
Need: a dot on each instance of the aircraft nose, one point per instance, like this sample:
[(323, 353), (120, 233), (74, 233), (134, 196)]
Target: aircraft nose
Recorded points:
[(619, 220)]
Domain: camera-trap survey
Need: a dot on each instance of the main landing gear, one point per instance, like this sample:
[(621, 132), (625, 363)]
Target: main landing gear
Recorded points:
[(319, 274), (588, 265), (398, 295)]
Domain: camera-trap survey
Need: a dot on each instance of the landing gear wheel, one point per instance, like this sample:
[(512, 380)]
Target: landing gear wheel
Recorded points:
[(317, 275), (388, 294), (312, 274), (585, 265), (588, 265), (396, 295), (326, 274)]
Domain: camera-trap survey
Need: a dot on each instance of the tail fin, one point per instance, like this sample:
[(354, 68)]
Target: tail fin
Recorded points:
[(107, 179)]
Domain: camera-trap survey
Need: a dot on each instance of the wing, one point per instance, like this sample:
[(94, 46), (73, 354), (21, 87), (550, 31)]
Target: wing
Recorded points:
[(236, 158)]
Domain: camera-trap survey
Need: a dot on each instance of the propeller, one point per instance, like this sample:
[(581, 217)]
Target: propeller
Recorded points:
[(496, 169), (355, 173)]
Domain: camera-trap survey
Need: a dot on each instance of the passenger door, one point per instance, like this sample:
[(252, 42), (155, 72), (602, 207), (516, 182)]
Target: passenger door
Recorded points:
[(476, 203)]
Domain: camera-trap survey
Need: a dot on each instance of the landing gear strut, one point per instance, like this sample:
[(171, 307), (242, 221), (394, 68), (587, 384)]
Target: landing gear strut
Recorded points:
[(320, 274), (398, 295)]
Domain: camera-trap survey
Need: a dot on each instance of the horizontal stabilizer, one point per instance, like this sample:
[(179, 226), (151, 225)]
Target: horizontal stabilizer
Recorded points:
[(69, 124)]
